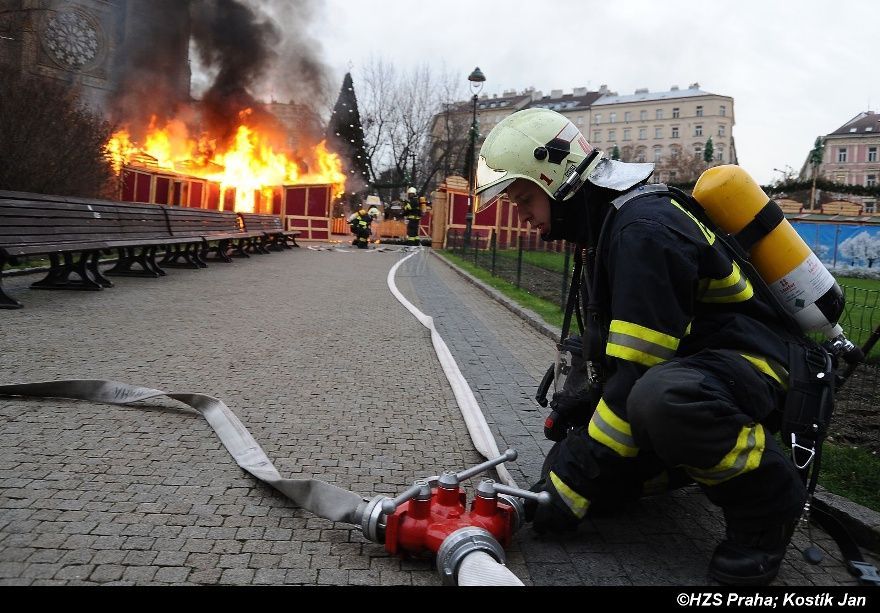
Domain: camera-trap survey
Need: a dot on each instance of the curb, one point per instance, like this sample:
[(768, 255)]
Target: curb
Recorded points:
[(862, 523)]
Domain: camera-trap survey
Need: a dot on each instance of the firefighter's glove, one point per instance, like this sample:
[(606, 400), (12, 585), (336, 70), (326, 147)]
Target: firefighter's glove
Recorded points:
[(575, 409), (554, 516)]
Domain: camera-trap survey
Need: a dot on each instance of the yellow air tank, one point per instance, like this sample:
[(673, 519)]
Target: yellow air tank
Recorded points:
[(794, 274)]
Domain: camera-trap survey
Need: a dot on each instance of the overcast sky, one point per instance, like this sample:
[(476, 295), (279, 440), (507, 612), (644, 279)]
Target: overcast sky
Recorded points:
[(795, 69)]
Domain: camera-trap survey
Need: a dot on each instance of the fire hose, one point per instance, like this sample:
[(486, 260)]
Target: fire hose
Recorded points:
[(431, 518)]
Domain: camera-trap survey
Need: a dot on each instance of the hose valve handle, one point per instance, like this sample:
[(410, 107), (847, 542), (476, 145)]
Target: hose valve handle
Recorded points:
[(507, 456), (420, 489), (541, 498)]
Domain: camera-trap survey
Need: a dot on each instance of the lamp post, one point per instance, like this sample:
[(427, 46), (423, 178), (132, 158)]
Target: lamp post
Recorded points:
[(476, 78)]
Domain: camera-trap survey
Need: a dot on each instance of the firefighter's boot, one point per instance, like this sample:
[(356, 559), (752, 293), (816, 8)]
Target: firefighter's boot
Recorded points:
[(749, 557)]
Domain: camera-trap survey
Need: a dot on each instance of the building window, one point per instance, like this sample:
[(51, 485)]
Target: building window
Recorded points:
[(597, 136), (671, 176), (640, 156), (722, 110), (722, 129), (870, 180), (580, 120), (659, 114), (699, 111), (626, 133), (658, 132), (598, 118), (627, 116), (870, 205), (643, 133), (613, 117), (872, 154), (841, 154), (658, 153), (643, 116), (675, 132), (675, 113), (698, 150), (612, 135), (698, 130)]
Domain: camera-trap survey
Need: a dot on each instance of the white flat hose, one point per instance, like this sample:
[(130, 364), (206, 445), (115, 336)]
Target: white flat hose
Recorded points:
[(477, 427), (321, 498), (481, 569)]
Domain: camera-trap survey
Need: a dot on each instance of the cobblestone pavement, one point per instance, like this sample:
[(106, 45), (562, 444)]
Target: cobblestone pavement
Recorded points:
[(336, 381)]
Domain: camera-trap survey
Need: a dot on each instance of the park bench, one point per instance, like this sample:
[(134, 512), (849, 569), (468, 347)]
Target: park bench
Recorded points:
[(275, 236), (218, 232), (73, 232)]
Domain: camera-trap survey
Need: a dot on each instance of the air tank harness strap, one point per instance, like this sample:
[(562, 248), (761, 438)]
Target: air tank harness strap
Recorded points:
[(763, 224)]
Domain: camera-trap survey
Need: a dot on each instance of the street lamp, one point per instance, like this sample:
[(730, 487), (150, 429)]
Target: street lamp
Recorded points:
[(476, 78)]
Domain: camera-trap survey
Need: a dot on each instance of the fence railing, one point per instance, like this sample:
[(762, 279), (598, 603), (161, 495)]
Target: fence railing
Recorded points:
[(544, 270)]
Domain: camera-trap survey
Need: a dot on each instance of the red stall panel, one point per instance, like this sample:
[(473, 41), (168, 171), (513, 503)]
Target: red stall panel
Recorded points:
[(196, 190), (319, 198), (163, 190), (142, 187), (295, 201)]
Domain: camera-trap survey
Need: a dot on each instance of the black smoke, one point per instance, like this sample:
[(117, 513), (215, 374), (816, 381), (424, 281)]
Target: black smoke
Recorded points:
[(245, 49)]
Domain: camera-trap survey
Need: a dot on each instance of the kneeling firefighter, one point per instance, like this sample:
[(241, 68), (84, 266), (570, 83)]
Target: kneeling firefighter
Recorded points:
[(360, 223), (684, 365)]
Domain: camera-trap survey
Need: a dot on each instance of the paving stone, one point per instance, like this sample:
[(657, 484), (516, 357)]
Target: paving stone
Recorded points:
[(90, 489)]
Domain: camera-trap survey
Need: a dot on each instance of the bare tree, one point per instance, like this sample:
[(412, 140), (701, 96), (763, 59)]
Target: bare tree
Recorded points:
[(680, 168), (49, 143), (398, 111)]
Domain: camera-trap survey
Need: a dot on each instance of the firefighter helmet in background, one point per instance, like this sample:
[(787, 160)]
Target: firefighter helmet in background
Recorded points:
[(411, 191), (544, 147)]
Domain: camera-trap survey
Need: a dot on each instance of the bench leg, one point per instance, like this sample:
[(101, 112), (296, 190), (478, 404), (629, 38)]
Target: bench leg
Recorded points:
[(149, 260), (220, 250), (195, 254), (6, 301), (129, 256), (239, 248), (179, 251), (59, 275), (93, 262)]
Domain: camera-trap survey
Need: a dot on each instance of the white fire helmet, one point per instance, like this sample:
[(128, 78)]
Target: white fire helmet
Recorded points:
[(544, 147)]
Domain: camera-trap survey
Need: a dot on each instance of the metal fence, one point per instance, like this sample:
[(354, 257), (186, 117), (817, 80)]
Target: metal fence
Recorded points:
[(544, 270)]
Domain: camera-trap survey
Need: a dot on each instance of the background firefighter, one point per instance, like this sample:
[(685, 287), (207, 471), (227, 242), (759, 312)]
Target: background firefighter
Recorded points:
[(694, 360), (412, 211), (360, 223)]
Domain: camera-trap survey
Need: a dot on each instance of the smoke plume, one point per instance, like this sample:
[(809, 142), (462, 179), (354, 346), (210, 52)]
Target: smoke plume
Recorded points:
[(243, 51)]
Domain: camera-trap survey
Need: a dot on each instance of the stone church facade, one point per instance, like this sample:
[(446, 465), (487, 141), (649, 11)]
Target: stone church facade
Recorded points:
[(98, 46)]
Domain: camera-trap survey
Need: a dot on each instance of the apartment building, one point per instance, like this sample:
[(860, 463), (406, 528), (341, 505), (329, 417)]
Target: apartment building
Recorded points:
[(662, 127), (852, 156)]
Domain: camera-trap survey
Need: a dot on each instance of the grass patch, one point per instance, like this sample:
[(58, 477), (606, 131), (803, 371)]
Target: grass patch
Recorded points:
[(851, 472), (548, 311)]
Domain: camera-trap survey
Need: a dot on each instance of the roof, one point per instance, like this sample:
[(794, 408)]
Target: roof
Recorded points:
[(645, 96), (863, 123), (503, 102), (567, 102)]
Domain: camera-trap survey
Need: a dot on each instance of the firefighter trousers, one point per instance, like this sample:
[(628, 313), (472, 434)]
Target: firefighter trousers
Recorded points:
[(412, 230), (713, 415)]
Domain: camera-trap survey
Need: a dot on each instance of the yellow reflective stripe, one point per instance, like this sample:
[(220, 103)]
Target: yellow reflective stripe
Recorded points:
[(610, 430), (735, 287), (710, 236), (577, 503), (639, 344), (744, 457), (772, 370)]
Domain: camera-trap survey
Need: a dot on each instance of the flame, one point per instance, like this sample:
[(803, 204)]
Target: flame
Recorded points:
[(250, 164)]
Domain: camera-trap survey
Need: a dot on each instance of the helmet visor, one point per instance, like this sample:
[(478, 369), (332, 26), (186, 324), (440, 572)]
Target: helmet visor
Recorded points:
[(491, 183)]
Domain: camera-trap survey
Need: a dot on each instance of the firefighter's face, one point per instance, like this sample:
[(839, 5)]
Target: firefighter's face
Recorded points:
[(532, 204)]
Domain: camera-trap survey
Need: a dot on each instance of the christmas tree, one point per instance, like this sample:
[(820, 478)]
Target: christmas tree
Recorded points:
[(345, 136)]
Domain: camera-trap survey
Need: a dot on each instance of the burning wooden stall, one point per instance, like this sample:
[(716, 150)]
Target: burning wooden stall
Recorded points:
[(303, 207)]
